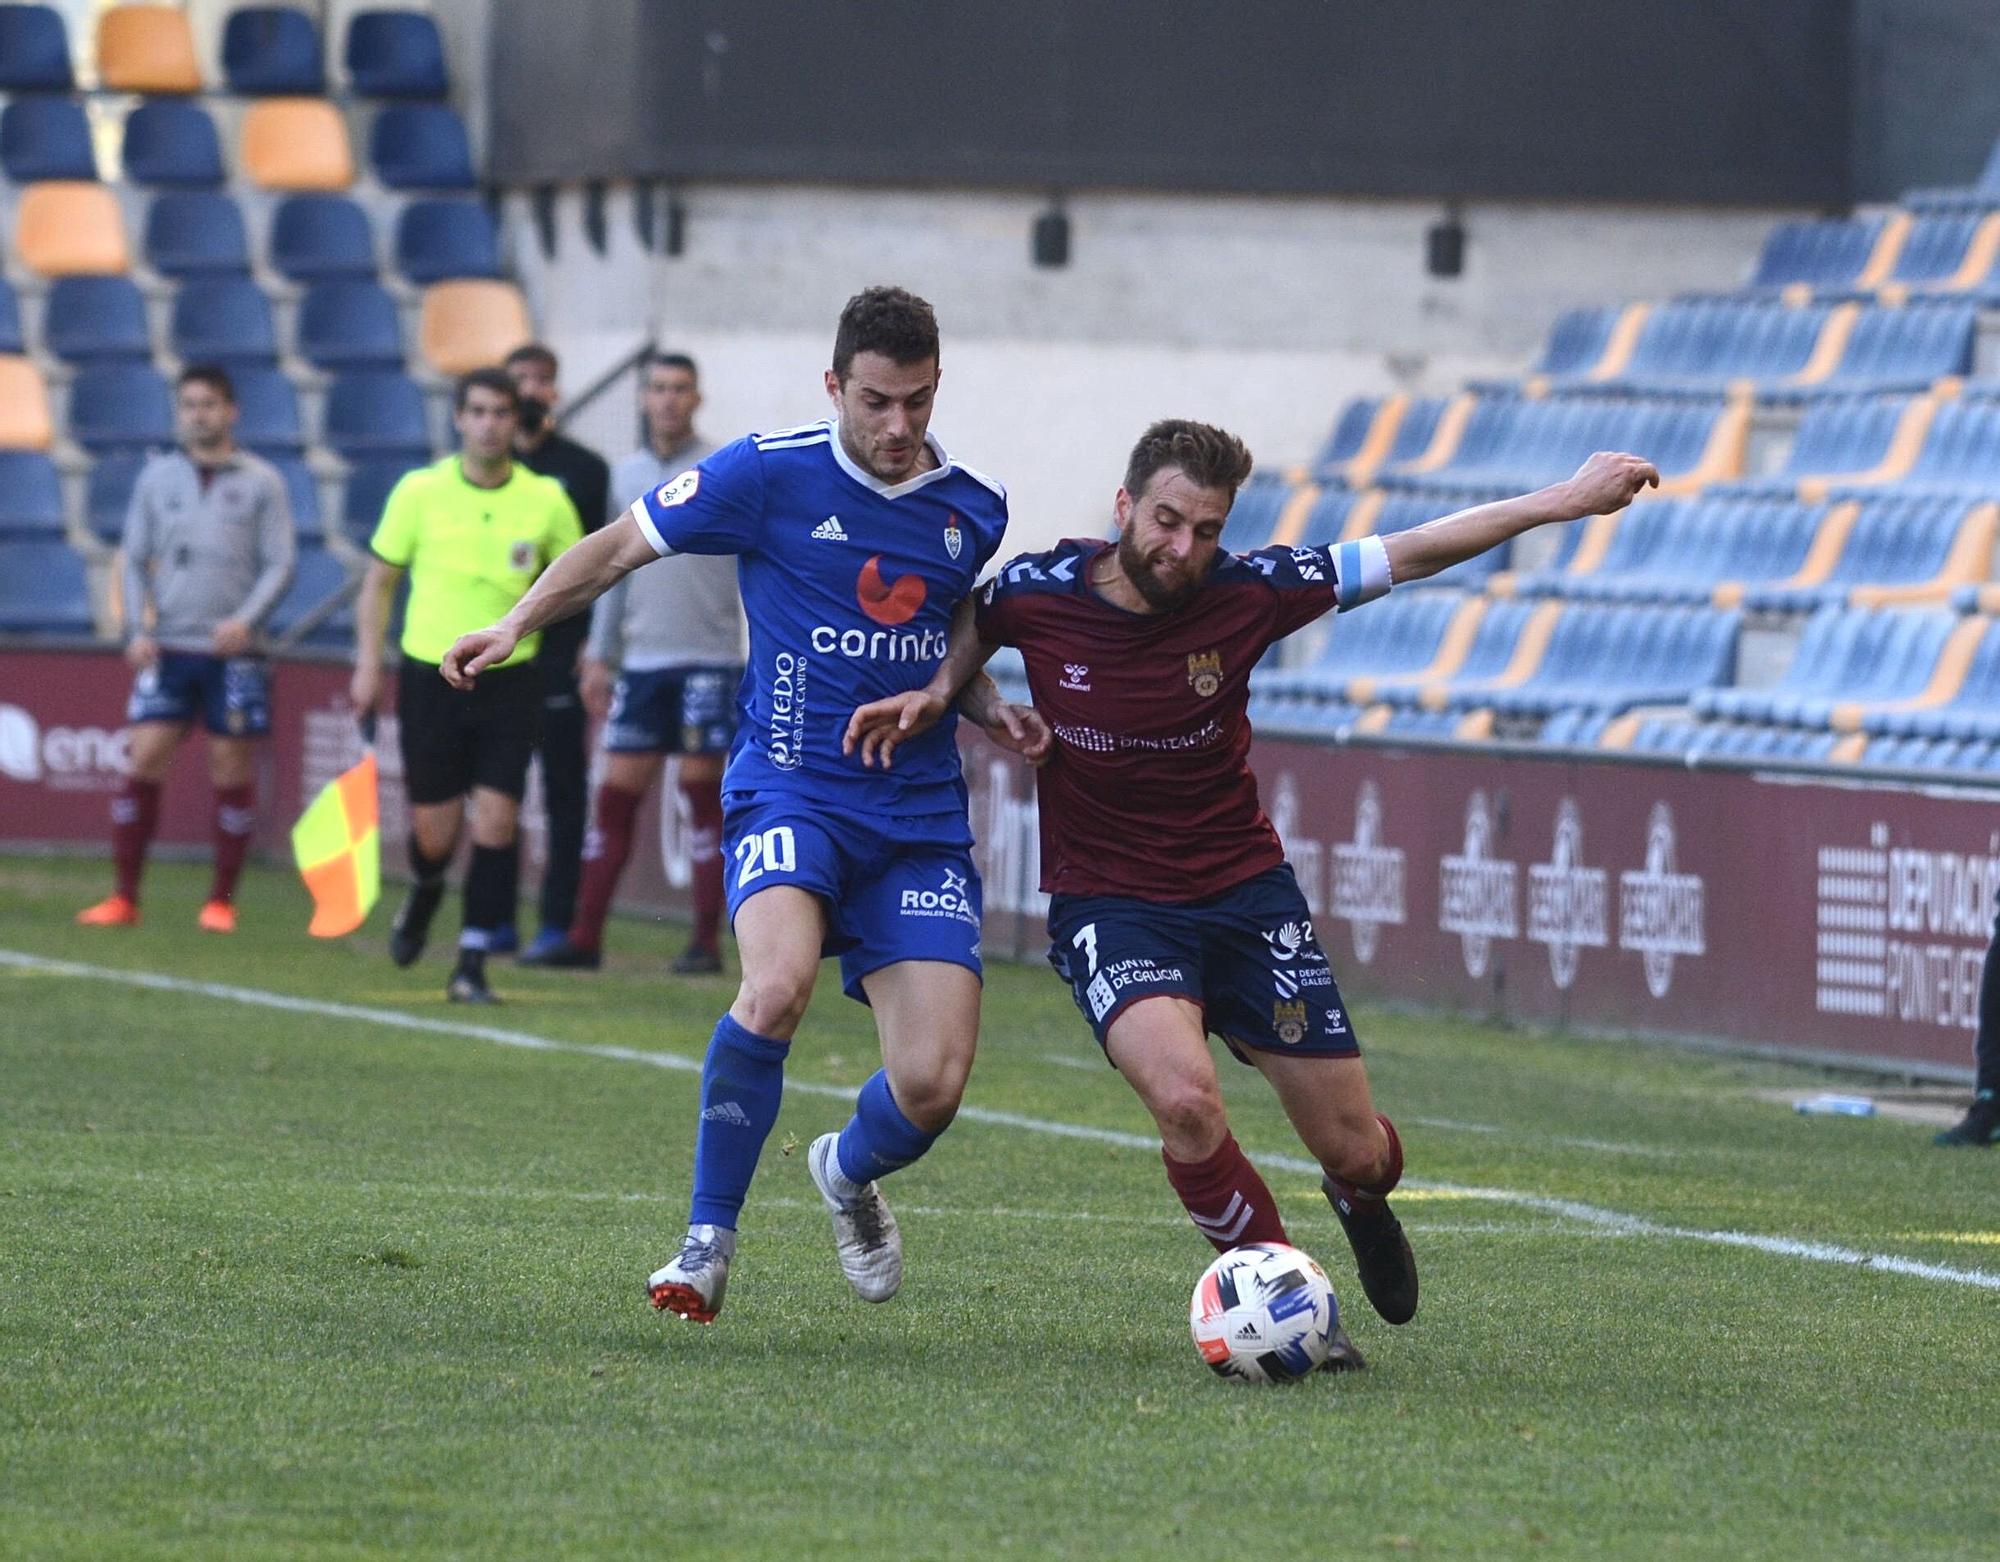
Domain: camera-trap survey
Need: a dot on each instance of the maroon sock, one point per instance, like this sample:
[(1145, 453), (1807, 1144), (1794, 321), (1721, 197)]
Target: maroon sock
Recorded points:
[(605, 850), (135, 814), (1225, 1198), (705, 851), (1384, 1185), (235, 824)]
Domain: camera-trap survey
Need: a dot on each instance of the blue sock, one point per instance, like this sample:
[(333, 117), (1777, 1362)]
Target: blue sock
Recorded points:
[(879, 1138), (742, 1081)]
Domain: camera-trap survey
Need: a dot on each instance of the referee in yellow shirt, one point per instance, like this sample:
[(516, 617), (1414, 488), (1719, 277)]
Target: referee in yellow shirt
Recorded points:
[(472, 532)]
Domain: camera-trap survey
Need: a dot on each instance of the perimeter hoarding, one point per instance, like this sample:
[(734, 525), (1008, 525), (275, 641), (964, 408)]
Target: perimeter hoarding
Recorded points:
[(1826, 916)]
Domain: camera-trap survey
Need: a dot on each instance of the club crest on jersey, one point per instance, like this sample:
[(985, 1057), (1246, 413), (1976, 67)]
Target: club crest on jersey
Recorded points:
[(521, 556), (1289, 1021), (887, 603), (680, 490), (1205, 672), (954, 539)]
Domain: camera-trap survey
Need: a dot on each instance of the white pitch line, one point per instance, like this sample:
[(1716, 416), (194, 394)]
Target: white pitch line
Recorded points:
[(1609, 1220)]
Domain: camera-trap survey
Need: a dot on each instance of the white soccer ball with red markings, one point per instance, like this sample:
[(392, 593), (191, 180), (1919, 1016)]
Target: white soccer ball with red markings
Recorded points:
[(1264, 1313)]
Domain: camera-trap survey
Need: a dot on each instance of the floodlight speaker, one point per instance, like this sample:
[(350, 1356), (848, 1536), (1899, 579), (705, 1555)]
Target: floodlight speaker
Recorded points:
[(1050, 245), (1444, 248)]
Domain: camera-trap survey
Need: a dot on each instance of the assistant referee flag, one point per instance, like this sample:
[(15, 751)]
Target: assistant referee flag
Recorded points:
[(338, 845)]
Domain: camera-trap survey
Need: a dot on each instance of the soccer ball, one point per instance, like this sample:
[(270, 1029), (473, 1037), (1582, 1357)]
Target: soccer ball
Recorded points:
[(1264, 1313)]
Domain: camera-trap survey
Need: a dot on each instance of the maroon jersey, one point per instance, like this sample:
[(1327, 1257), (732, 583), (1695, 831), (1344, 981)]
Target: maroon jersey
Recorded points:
[(1149, 793)]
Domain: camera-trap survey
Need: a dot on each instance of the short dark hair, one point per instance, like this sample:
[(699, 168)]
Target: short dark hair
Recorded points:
[(886, 320), (213, 375), (535, 353), (495, 380), (1211, 457), (671, 361)]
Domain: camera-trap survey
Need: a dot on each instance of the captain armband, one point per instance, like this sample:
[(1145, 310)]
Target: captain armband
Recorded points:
[(1361, 570)]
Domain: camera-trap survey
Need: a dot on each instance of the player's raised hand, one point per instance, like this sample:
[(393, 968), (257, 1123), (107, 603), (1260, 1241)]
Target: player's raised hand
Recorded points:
[(1021, 730), (878, 728), (1610, 480), (470, 655)]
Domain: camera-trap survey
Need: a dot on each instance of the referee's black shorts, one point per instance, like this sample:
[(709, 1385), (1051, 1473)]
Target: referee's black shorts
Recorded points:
[(453, 740)]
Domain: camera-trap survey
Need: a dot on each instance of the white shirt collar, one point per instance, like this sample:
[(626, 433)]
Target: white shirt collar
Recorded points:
[(869, 480)]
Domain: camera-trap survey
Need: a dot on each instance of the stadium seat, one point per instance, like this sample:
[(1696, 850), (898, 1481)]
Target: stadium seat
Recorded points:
[(438, 240), (1606, 658), (1983, 192), (1255, 513), (296, 144), (469, 324), (64, 228), (1402, 644), (44, 589), (349, 323), (31, 503), (45, 138), (1372, 434), (194, 233), (225, 320), (366, 491), (170, 142), (317, 236), (1815, 256), (96, 319), (301, 489), (146, 48), (1484, 641), (420, 146), (34, 50), (1843, 657), (395, 54), (120, 406), (1890, 351), (1960, 452), (10, 318), (267, 409), (107, 493), (272, 50), (376, 415), (24, 406), (317, 578)]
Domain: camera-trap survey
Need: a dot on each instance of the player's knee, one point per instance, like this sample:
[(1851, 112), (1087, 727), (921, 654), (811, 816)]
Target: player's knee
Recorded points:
[(771, 1003), (1355, 1151), (929, 1097), (1190, 1115)]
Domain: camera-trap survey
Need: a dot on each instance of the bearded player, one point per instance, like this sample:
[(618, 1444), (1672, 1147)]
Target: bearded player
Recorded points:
[(1173, 911)]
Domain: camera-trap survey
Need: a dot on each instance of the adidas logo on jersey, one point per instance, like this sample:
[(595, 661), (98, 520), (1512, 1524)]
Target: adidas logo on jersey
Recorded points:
[(829, 530)]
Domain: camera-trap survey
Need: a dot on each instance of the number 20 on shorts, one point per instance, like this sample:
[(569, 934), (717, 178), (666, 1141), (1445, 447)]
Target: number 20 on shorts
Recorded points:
[(772, 851)]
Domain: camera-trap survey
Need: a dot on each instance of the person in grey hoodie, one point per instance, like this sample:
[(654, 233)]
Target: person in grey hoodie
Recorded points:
[(208, 551)]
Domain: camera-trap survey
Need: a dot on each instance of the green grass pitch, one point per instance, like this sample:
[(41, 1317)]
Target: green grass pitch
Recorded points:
[(291, 1283)]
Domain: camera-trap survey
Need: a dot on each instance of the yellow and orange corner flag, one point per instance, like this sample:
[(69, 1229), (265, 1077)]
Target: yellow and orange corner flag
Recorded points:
[(338, 844)]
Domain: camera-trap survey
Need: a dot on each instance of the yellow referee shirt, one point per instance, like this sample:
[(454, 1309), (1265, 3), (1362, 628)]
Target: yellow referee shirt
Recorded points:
[(472, 552)]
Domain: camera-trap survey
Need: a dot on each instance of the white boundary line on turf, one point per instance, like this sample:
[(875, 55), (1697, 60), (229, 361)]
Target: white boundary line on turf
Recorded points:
[(1608, 1220)]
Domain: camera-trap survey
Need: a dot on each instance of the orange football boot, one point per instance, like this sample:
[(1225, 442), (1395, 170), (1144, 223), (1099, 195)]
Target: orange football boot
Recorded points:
[(218, 916), (112, 911)]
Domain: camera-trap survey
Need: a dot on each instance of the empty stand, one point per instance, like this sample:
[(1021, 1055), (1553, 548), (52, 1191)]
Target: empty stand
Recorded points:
[(395, 54), (171, 143), (24, 406), (64, 228), (267, 412), (272, 50), (1816, 256), (374, 415), (302, 492), (31, 503), (96, 319), (34, 50), (420, 146), (319, 578), (349, 323), (44, 589), (440, 239), (107, 493), (45, 138), (146, 48), (192, 233), (318, 236), (10, 318), (225, 320), (120, 406), (468, 324), (296, 144), (1509, 442), (366, 491)]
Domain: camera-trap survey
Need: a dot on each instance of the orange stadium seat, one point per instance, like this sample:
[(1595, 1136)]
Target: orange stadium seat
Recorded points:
[(296, 144), (66, 228), (469, 324), (24, 406), (146, 48)]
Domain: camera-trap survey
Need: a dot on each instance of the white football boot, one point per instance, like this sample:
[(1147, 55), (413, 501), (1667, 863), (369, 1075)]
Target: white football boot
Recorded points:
[(864, 1232), (691, 1285)]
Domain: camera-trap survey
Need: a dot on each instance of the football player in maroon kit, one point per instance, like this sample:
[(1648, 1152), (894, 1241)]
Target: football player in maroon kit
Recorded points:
[(1173, 912)]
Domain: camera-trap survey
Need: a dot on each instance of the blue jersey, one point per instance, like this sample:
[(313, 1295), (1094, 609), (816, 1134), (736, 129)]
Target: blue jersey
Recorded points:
[(849, 585)]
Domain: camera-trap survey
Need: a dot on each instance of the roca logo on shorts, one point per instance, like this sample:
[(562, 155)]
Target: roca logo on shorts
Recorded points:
[(680, 490)]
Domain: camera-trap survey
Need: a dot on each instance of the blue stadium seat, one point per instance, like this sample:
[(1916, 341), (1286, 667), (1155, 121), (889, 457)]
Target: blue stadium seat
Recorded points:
[(1961, 452), (1839, 434), (1934, 248), (348, 323), (96, 319), (44, 589), (10, 319), (395, 54), (267, 412), (317, 236), (1255, 512), (367, 491), (171, 142), (1971, 714), (420, 146), (223, 319), (1681, 550), (1843, 655), (45, 138), (1515, 443), (1983, 192), (1897, 540), (1498, 632), (1701, 345), (34, 50), (30, 495), (192, 233), (1397, 643), (437, 240), (1402, 511), (1327, 519), (120, 406), (272, 49), (1825, 254), (317, 575), (376, 415), (107, 492), (1611, 658), (1895, 350), (1344, 440), (302, 489)]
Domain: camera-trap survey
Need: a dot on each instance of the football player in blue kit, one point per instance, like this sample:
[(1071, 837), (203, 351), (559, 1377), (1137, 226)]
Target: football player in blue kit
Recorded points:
[(857, 539)]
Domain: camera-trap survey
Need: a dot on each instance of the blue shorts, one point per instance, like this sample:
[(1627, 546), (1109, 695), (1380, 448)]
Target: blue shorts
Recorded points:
[(896, 887), (1247, 957), (232, 695), (673, 710)]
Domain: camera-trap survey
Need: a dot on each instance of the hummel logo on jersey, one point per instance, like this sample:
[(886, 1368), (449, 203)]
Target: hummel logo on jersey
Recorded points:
[(829, 530), (1076, 676), (729, 1112)]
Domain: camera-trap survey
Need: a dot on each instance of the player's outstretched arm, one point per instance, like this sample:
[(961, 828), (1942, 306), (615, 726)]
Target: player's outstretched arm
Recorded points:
[(580, 575), (1608, 481)]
